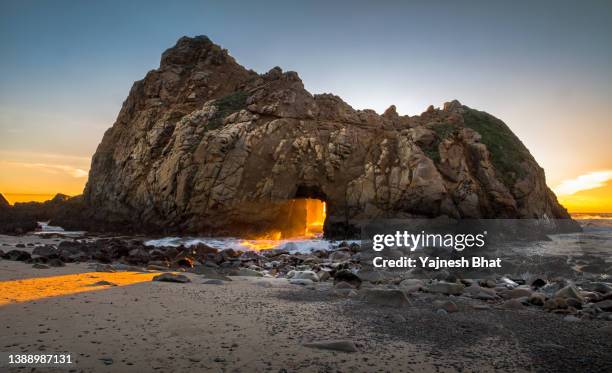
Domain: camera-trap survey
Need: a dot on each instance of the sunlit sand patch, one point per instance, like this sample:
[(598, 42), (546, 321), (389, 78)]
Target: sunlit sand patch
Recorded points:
[(30, 289)]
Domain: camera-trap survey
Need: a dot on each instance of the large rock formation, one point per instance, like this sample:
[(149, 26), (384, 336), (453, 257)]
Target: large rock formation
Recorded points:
[(204, 145)]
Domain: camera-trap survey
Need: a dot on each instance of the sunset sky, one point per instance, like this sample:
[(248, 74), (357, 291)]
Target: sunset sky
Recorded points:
[(544, 67)]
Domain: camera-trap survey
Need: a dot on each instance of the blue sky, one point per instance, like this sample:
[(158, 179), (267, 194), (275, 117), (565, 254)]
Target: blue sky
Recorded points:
[(544, 67)]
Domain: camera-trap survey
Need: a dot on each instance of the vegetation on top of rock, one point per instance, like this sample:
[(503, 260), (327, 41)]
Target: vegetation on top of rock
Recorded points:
[(443, 131), (227, 105), (507, 151)]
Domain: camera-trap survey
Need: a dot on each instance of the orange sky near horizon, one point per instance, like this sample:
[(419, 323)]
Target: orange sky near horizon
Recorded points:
[(579, 195)]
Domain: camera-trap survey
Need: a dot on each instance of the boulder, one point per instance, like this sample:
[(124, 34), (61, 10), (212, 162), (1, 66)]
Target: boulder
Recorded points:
[(569, 292), (519, 293), (18, 255), (512, 304), (605, 305), (347, 276), (442, 287), (246, 272), (340, 256), (45, 250), (537, 299), (482, 293), (385, 297), (446, 305), (411, 285), (305, 275), (204, 145), (171, 277), (55, 262)]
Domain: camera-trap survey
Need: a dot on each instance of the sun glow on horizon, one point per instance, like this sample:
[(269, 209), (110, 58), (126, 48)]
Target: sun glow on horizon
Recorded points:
[(591, 192), (588, 181)]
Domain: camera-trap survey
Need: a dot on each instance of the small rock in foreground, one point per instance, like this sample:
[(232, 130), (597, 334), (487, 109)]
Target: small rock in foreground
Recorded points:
[(103, 283), (386, 297), (171, 277)]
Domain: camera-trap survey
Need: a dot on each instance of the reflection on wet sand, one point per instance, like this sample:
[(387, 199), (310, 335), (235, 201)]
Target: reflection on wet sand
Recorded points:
[(24, 290)]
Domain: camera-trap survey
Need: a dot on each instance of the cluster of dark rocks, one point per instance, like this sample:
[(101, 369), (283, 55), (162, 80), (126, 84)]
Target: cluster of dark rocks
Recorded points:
[(340, 269)]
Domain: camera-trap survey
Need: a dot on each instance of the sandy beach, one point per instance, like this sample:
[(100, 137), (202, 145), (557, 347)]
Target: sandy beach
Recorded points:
[(128, 323)]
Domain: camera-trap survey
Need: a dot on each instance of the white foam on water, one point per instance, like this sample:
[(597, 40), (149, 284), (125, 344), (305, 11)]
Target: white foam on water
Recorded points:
[(221, 243), (44, 228)]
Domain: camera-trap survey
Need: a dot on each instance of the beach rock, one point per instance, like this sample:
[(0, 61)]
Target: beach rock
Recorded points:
[(477, 292), (103, 283), (55, 262), (374, 277), (305, 275), (488, 283), (519, 293), (347, 276), (345, 293), (385, 297), (104, 268), (171, 277), (340, 256), (301, 281), (40, 266), (602, 288), (411, 285), (505, 281), (512, 304), (45, 250), (555, 304), (126, 267), (444, 288), (605, 305), (343, 285), (246, 272), (138, 256), (183, 262), (17, 255), (537, 299), (158, 265), (323, 275), (572, 302), (569, 292), (202, 144), (446, 305), (213, 282), (538, 283), (335, 345)]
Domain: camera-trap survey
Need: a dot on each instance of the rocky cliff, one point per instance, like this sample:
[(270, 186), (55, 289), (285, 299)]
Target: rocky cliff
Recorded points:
[(204, 145)]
